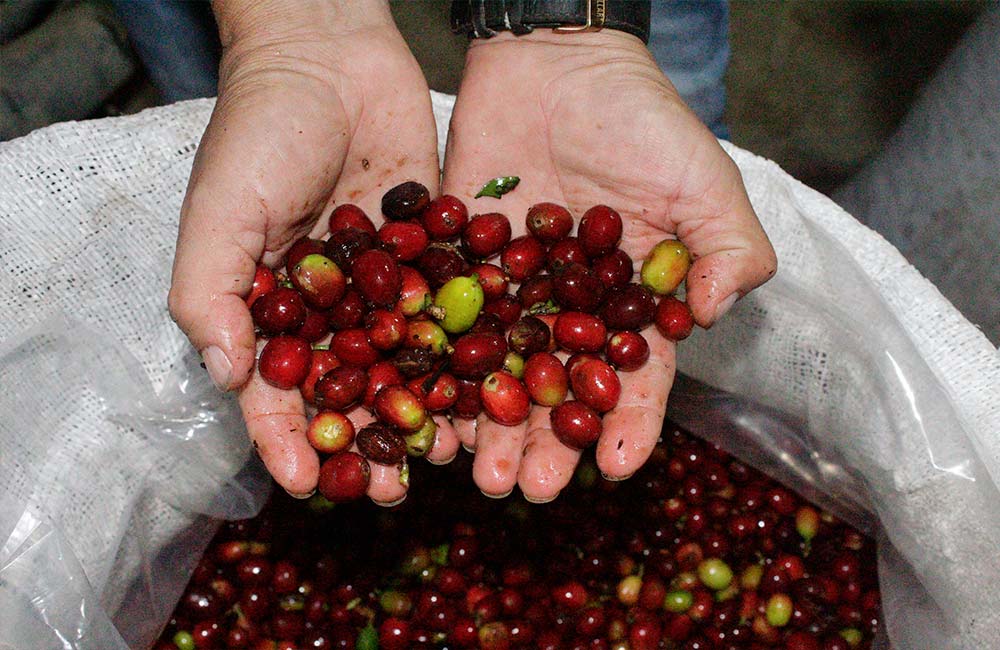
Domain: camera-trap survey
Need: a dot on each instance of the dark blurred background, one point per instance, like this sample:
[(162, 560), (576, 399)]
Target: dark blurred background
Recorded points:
[(819, 86), (815, 85)]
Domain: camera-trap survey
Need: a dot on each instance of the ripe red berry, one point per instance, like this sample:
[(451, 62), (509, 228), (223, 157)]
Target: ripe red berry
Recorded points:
[(340, 388), (315, 326), (348, 313), (440, 263), (279, 311), (546, 379), (477, 355), (630, 307), (528, 336), (350, 216), (578, 332), (397, 406), (674, 319), (575, 424), (329, 432), (386, 329), (445, 218), (614, 269), (263, 282), (344, 476), (344, 246), (353, 348), (504, 398), (301, 248), (440, 396), (596, 384), (576, 288), (380, 375), (549, 222), (536, 290), (285, 361), (486, 235), (404, 240), (376, 276), (600, 230), (507, 309), (565, 252), (319, 280), (627, 351), (522, 258)]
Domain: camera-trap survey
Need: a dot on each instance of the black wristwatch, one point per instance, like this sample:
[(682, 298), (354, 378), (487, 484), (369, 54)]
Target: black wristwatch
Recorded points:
[(485, 18)]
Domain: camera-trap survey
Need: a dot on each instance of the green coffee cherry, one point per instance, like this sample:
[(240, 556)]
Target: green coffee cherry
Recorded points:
[(183, 640), (678, 601), (665, 267), (778, 610), (458, 303), (514, 364), (715, 574), (421, 441), (852, 635)]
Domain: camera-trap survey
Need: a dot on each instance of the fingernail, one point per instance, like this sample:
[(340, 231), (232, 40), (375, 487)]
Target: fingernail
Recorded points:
[(295, 495), (218, 366), (441, 462), (469, 448), (497, 496), (724, 306), (389, 504), (540, 499), (608, 477)]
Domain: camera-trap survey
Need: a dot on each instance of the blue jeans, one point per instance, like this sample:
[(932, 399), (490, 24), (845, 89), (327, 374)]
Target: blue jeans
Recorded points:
[(178, 45), (690, 41)]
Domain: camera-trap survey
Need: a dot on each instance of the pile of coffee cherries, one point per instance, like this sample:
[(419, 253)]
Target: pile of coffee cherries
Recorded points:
[(439, 313), (697, 551)]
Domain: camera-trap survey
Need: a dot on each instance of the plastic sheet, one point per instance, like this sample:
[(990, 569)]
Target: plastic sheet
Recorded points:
[(847, 376)]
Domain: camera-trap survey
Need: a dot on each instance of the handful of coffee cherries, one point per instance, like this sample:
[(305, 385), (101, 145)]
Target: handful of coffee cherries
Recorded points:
[(439, 313)]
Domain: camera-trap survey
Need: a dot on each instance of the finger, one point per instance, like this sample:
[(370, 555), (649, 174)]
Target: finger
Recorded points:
[(446, 442), (276, 423), (384, 487), (633, 427), (547, 464), (732, 254), (498, 456), (466, 431), (249, 194)]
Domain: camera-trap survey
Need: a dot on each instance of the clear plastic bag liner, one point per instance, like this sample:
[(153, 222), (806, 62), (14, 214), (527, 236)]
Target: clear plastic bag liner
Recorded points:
[(111, 476), (847, 376)]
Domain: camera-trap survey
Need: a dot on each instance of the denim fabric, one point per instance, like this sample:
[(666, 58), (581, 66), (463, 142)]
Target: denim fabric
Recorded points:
[(178, 44), (690, 40)]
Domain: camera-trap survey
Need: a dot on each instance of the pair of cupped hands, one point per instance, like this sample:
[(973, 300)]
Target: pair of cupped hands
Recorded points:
[(322, 103)]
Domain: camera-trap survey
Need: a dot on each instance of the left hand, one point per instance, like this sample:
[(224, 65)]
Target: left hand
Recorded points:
[(589, 119)]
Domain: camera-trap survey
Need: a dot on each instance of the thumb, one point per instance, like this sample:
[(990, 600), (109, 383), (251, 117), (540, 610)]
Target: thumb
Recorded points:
[(213, 271), (730, 251)]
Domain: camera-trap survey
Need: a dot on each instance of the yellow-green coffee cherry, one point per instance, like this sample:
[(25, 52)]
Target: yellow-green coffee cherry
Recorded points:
[(665, 267), (458, 303)]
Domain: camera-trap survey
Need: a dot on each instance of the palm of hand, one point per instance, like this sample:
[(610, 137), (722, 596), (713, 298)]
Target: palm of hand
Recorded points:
[(309, 132), (583, 127)]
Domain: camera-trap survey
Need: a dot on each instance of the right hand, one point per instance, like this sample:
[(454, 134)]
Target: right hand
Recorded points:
[(320, 103)]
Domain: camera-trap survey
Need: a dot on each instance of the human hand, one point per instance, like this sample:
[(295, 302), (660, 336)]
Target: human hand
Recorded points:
[(320, 103), (583, 120)]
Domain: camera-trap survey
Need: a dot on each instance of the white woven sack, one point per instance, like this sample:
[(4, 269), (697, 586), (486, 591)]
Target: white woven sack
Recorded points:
[(115, 449)]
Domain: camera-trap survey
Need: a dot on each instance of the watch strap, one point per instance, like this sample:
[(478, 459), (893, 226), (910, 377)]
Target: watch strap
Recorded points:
[(486, 18)]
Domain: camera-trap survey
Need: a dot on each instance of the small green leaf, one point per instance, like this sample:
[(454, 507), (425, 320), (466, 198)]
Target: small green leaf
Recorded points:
[(499, 186), (440, 554), (367, 638)]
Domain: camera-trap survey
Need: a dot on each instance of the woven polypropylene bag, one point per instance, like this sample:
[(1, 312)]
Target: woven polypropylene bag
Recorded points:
[(847, 375)]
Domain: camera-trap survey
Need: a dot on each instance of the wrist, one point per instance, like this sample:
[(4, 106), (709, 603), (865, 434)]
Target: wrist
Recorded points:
[(268, 21), (549, 37)]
